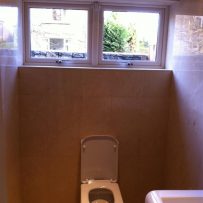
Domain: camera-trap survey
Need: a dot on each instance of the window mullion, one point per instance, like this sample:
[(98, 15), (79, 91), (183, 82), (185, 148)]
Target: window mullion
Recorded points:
[(95, 33)]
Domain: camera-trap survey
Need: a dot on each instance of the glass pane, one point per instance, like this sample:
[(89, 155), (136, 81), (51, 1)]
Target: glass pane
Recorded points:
[(8, 27), (188, 36), (60, 33), (130, 36)]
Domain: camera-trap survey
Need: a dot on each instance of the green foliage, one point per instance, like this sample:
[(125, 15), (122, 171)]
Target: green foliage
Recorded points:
[(132, 38), (120, 38), (144, 46), (7, 45), (115, 37)]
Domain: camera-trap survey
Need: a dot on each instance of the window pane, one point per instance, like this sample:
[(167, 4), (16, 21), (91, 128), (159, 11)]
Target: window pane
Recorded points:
[(8, 27), (188, 35), (59, 33), (130, 36)]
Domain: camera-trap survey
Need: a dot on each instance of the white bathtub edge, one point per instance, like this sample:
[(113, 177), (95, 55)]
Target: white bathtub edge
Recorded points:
[(156, 196), (153, 197)]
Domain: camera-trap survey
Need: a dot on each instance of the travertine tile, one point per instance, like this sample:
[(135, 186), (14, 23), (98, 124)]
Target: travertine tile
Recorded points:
[(130, 105), (95, 117)]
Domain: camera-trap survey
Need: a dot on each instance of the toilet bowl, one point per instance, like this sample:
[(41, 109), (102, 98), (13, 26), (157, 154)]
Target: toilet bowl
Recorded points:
[(99, 170)]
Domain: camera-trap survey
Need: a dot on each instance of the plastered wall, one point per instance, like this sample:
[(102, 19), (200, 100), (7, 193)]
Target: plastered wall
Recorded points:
[(184, 163), (9, 156), (60, 106), (2, 153), (9, 126)]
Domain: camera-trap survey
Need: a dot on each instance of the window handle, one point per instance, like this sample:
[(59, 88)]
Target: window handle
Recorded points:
[(59, 61), (130, 63)]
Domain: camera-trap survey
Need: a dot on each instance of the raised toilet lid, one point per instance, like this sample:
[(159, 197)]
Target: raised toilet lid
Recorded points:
[(99, 158)]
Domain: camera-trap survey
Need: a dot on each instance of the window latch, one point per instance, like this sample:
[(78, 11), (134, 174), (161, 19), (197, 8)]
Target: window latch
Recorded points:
[(130, 63), (59, 61)]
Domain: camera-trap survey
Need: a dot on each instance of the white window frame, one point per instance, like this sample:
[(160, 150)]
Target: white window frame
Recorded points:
[(95, 35), (49, 61), (160, 55)]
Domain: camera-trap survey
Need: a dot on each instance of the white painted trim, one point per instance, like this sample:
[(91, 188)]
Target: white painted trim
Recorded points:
[(147, 2), (161, 38), (95, 26), (46, 61)]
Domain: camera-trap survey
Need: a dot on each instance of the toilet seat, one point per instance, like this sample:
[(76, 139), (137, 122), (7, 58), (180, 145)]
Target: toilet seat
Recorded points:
[(99, 170), (99, 158), (113, 187)]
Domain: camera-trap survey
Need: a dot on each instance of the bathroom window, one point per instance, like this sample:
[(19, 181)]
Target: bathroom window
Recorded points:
[(188, 35), (95, 34), (60, 34), (8, 29), (131, 36)]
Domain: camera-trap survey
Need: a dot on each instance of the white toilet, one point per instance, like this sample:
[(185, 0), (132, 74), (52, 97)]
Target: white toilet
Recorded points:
[(99, 170)]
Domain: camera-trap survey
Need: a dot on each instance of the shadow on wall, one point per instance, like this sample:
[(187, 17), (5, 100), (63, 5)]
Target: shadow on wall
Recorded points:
[(185, 134), (9, 60), (60, 106), (184, 160)]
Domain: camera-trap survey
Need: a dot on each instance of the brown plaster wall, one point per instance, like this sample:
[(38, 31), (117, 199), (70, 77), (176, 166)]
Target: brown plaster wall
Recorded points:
[(60, 106), (9, 139), (184, 162)]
